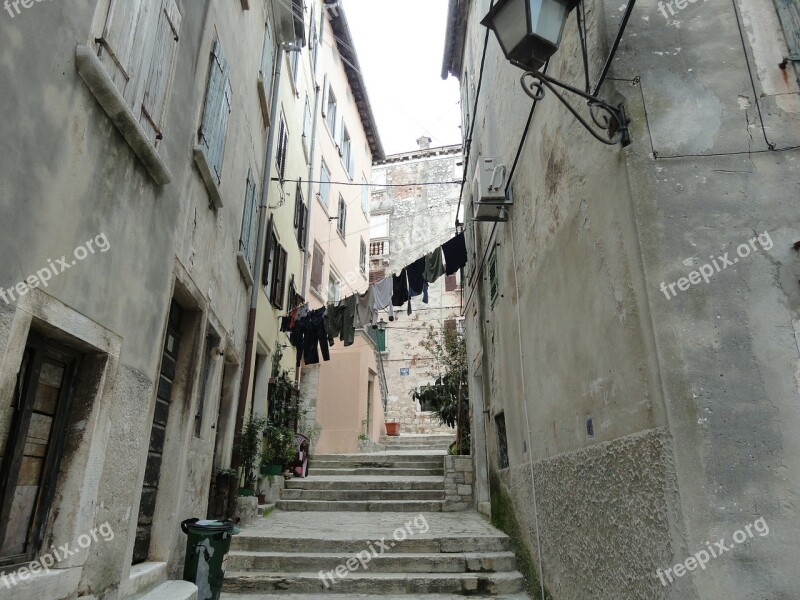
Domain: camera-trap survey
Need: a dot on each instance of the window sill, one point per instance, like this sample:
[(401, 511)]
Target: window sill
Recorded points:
[(207, 175), (113, 104), (317, 294), (244, 269), (263, 99), (322, 204)]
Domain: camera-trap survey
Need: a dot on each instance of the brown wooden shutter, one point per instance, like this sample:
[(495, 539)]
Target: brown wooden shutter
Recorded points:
[(267, 253), (450, 283)]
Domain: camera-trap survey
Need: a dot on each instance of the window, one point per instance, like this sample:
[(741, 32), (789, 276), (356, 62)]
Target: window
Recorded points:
[(247, 237), (502, 440), (341, 221), (346, 151), (324, 184), (318, 263), (493, 286), (381, 339), (274, 275), (450, 283), (334, 288), (364, 195), (362, 261), (379, 248), (139, 54), (307, 129), (265, 74), (216, 111), (375, 276), (331, 113), (300, 217), (283, 146), (294, 63), (378, 226)]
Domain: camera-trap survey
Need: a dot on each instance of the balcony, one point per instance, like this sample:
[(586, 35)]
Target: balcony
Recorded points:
[(378, 249)]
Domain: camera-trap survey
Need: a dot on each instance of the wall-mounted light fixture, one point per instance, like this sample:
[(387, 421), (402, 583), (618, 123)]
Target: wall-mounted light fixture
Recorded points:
[(529, 33)]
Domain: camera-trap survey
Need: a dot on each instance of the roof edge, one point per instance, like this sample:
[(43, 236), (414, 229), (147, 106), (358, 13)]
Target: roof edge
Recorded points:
[(455, 38)]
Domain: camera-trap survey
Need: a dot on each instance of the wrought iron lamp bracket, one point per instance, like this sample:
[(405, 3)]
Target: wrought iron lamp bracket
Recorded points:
[(609, 119)]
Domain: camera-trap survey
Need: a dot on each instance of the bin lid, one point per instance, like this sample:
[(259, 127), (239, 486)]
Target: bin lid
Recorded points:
[(210, 525)]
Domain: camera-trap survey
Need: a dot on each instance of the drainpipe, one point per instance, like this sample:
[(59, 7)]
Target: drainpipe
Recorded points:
[(259, 266), (315, 123)]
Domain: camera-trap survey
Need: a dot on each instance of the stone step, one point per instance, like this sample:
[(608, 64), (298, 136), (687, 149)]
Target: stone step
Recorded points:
[(414, 448), (446, 544), (385, 583), (366, 483), (385, 562), (402, 472), (408, 460), (416, 444), (362, 505), (311, 494), (171, 590), (227, 596)]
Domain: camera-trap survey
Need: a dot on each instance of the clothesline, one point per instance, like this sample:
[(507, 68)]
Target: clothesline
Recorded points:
[(310, 330)]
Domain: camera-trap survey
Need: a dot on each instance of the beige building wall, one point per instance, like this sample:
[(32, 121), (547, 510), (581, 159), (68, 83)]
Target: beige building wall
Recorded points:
[(337, 396)]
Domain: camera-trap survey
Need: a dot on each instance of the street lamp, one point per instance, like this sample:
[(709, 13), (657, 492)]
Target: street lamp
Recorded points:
[(529, 33), (381, 325)]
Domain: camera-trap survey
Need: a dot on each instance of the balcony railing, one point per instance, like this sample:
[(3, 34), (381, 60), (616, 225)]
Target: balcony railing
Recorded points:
[(379, 248)]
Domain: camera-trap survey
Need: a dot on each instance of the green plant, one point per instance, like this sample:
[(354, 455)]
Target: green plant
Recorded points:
[(221, 473), (363, 437), (248, 448), (278, 446), (448, 396)]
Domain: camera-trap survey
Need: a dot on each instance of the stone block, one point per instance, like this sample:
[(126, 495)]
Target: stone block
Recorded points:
[(247, 510), (465, 490)]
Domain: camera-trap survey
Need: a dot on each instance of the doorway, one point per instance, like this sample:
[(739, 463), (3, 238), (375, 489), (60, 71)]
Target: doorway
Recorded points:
[(33, 447)]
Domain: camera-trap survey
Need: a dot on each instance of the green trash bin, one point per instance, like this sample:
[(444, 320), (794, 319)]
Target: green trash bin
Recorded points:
[(206, 555)]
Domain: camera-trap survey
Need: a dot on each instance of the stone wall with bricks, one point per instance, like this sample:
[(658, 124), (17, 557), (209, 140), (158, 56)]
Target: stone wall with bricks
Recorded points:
[(458, 480)]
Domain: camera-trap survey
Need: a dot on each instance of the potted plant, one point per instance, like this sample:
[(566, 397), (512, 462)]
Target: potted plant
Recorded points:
[(248, 453), (278, 449), (392, 428)]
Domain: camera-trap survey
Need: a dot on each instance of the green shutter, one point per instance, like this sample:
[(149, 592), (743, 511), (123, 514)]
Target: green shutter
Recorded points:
[(216, 110), (789, 13), (247, 240), (381, 340)]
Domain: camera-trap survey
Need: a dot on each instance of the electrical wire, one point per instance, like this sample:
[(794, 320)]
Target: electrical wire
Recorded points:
[(379, 185)]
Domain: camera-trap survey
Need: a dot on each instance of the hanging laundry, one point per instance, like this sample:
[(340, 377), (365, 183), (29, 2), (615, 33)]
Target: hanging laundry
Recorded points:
[(455, 254), (363, 316), (416, 281), (400, 289), (334, 317), (348, 335), (382, 298), (308, 334), (434, 265)]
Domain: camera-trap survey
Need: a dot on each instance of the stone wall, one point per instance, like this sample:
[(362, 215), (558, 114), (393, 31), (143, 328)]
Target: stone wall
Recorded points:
[(458, 483)]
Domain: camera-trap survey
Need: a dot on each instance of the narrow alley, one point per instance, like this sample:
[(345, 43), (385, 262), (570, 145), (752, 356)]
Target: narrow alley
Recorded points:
[(426, 299)]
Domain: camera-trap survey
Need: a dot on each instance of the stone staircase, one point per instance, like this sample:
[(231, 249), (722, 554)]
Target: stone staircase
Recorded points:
[(368, 482), (417, 442), (371, 526)]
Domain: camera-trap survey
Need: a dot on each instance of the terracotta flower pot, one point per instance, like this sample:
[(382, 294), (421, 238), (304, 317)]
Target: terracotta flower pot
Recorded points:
[(393, 429)]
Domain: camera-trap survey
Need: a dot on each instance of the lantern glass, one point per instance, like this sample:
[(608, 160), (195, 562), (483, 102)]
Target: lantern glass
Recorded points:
[(529, 31), (511, 25)]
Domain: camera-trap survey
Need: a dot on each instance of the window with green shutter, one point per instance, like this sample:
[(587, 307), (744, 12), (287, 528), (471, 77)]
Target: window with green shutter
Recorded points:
[(216, 110), (381, 338), (247, 238)]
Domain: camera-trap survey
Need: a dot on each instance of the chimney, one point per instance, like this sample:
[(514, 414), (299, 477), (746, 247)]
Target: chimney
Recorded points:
[(424, 143)]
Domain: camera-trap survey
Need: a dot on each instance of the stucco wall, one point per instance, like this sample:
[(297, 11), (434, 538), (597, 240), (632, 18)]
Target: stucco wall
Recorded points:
[(73, 177), (705, 381)]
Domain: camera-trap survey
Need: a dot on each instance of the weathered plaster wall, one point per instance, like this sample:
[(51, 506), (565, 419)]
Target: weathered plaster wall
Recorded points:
[(71, 177), (703, 384)]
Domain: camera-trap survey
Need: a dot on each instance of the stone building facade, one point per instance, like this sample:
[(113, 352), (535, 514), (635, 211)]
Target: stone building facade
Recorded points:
[(140, 162), (630, 427), (408, 221)]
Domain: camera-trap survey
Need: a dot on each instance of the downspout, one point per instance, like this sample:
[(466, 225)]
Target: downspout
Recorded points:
[(259, 266), (315, 123)]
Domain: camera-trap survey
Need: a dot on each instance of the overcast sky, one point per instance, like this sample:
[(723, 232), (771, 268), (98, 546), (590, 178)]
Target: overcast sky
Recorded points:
[(400, 47)]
